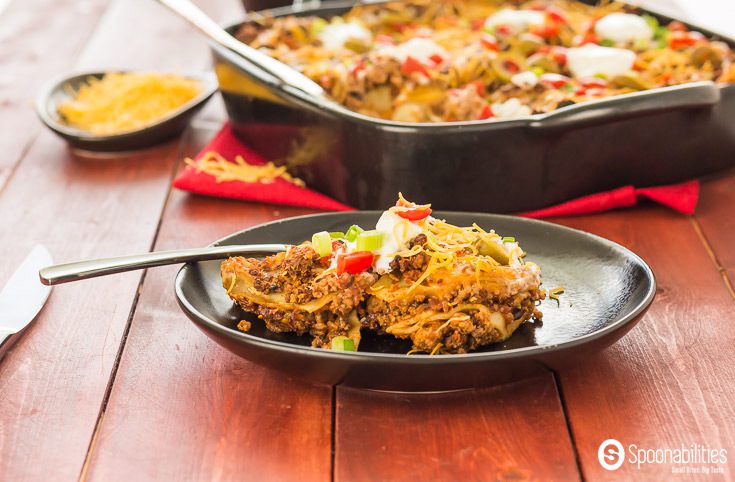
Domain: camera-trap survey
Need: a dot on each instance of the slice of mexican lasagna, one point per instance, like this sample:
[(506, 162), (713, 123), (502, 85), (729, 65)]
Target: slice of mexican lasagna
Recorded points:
[(448, 289)]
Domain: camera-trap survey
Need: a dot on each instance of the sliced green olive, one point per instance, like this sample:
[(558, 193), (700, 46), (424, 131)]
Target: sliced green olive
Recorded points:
[(356, 45), (379, 99), (393, 17), (316, 27), (631, 80), (492, 249), (544, 62), (528, 43), (705, 53), (506, 65), (410, 112)]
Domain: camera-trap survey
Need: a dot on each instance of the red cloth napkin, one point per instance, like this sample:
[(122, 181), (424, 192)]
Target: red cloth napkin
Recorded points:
[(680, 197)]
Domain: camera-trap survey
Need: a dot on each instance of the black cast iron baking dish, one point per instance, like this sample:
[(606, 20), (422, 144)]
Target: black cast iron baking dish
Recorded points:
[(646, 138), (607, 290)]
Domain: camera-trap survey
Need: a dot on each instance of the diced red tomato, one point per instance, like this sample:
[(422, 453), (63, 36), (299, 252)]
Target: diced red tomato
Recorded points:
[(678, 39), (558, 54), (487, 112), (589, 38), (511, 66), (411, 65), (478, 86), (404, 27), (547, 30), (357, 68), (437, 59), (504, 29), (591, 82), (580, 90), (556, 14), (590, 27), (595, 92), (556, 81), (490, 42), (354, 263), (415, 214), (665, 78), (677, 26)]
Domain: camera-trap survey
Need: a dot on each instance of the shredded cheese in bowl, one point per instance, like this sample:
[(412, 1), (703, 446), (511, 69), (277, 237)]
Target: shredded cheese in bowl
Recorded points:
[(123, 102)]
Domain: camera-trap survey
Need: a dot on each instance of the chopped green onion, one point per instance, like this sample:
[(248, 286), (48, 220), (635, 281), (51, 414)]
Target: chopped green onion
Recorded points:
[(322, 243), (601, 76), (567, 88), (337, 235), (342, 343), (662, 36), (651, 21), (539, 71), (317, 25), (509, 239), (351, 234), (369, 240), (606, 42), (641, 44)]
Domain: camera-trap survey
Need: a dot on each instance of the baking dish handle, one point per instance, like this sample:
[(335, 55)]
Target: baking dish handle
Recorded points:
[(685, 96)]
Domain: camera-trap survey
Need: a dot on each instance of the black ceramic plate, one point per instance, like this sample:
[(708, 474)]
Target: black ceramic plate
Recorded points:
[(170, 126), (608, 288)]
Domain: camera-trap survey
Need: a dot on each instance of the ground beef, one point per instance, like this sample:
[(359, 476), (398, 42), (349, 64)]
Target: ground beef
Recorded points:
[(298, 274), (411, 267)]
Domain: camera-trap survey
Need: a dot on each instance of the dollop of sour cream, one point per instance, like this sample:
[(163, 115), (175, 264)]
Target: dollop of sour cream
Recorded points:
[(593, 59), (623, 28), (335, 35), (510, 109), (421, 49), (518, 20), (525, 80), (397, 232)]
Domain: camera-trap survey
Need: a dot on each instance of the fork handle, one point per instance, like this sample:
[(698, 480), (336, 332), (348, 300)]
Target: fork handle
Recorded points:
[(64, 273)]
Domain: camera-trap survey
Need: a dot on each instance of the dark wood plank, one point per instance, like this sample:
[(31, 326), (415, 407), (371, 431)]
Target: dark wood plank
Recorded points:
[(715, 215), (184, 408), (671, 381), (53, 384), (32, 50), (511, 432)]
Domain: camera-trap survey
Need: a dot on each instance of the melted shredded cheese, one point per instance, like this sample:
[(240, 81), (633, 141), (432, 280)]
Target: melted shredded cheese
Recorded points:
[(222, 170), (123, 102), (445, 243)]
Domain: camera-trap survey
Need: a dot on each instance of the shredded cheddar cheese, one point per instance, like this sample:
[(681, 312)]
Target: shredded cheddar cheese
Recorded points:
[(223, 170), (122, 102)]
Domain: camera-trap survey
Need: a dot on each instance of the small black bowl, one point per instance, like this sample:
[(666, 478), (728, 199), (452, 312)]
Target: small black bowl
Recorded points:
[(170, 126), (608, 288)]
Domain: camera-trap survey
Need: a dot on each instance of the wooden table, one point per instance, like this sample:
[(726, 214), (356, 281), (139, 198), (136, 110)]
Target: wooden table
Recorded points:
[(113, 383)]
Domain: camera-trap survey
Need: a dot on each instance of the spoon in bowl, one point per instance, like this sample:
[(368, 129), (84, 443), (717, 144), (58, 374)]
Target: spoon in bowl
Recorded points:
[(282, 72)]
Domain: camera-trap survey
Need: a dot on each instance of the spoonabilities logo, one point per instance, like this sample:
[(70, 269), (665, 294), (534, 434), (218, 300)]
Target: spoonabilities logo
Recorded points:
[(611, 454)]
